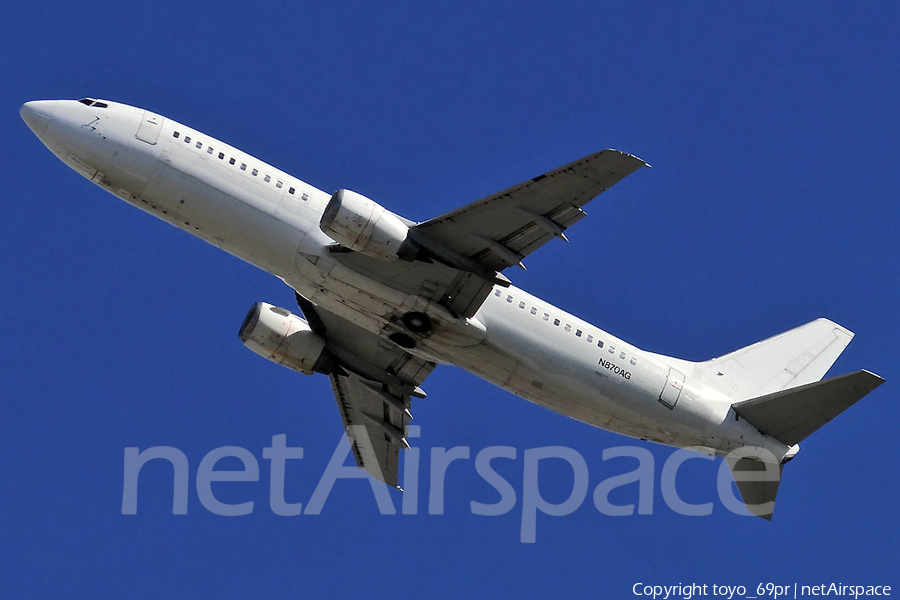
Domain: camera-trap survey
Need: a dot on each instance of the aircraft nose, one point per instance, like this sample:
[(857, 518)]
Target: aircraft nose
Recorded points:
[(37, 114)]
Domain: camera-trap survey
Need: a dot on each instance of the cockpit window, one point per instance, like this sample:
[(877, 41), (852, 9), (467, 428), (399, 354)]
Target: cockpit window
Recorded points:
[(94, 103)]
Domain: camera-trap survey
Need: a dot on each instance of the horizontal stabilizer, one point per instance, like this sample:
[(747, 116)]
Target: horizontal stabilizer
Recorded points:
[(758, 489), (793, 414)]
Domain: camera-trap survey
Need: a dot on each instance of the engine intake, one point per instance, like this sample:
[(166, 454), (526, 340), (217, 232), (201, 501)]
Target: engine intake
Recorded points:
[(362, 225), (283, 338)]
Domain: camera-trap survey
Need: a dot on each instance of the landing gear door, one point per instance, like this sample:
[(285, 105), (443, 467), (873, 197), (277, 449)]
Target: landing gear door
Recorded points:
[(672, 390), (148, 130)]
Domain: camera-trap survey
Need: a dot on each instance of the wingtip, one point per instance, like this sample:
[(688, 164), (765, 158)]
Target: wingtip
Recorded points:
[(643, 162)]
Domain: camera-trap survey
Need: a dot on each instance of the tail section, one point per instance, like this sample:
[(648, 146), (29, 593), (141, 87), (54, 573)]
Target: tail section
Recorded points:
[(790, 359), (776, 386), (790, 416)]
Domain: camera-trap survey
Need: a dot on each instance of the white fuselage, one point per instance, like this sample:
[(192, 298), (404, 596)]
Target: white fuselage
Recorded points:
[(271, 219)]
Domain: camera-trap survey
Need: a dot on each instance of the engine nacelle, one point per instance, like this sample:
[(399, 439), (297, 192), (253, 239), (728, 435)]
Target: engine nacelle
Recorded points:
[(282, 337), (364, 226)]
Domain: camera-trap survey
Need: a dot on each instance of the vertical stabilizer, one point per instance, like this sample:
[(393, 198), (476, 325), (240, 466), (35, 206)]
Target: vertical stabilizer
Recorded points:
[(790, 359)]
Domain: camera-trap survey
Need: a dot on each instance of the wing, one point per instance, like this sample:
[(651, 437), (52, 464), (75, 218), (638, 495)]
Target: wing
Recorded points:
[(373, 383), (502, 229), (375, 431), (472, 244)]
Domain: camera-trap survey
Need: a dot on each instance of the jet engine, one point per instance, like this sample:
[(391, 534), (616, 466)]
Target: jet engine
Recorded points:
[(362, 225), (284, 338)]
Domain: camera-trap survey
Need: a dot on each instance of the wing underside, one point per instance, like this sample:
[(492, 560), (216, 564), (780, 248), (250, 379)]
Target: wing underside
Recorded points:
[(500, 230), (373, 390), (375, 430), (472, 244)]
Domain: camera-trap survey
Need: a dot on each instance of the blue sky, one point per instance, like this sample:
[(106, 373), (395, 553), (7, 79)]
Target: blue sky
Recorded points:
[(772, 131)]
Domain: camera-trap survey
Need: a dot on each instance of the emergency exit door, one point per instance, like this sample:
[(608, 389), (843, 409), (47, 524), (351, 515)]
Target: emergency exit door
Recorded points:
[(671, 392)]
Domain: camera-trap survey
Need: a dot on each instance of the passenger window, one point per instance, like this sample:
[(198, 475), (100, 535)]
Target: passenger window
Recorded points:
[(509, 298), (556, 322), (590, 339), (290, 190), (243, 166), (621, 355), (199, 144), (521, 305), (533, 310), (267, 179), (221, 155), (209, 150), (568, 327), (599, 343), (230, 161), (254, 172), (175, 134), (578, 333), (633, 360), (546, 317), (612, 350), (278, 185), (187, 139), (497, 293), (305, 196)]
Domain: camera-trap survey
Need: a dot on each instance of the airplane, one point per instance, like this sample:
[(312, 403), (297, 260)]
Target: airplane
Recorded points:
[(387, 299)]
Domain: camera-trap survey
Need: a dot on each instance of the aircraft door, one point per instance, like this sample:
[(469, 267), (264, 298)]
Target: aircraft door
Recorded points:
[(148, 130), (672, 389)]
